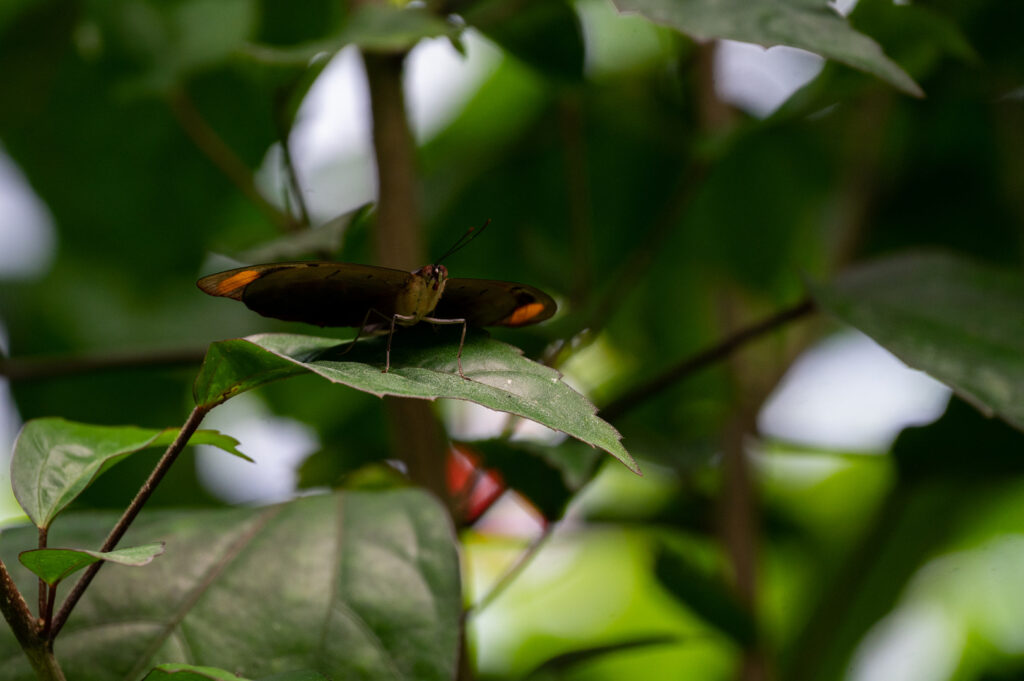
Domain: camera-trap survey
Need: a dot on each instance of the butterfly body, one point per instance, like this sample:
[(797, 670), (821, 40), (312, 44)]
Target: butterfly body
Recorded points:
[(349, 294)]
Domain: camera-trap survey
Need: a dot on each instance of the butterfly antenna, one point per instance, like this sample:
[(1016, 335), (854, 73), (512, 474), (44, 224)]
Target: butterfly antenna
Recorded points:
[(463, 241)]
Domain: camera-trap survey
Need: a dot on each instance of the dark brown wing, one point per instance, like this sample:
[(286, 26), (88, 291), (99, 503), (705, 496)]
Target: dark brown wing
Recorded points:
[(321, 293), (484, 302)]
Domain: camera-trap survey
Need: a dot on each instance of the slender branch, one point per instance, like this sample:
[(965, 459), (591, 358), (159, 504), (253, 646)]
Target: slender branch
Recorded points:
[(293, 175), (43, 586), (571, 127), (513, 572), (37, 368), (47, 613), (37, 649), (703, 359), (145, 492), (16, 610), (210, 143), (639, 261)]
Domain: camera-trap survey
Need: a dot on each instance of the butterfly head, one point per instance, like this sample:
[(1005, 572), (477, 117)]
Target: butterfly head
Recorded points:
[(433, 275)]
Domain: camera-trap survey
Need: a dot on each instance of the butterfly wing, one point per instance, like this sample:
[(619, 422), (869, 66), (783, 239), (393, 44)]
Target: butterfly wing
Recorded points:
[(321, 293), (485, 302)]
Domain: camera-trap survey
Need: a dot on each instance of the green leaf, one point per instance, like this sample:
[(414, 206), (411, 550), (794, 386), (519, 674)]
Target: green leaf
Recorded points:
[(374, 27), (55, 460), (385, 27), (52, 564), (808, 24), (960, 321), (560, 666), (423, 365), (161, 44), (322, 241), (351, 585), (709, 598), (545, 34)]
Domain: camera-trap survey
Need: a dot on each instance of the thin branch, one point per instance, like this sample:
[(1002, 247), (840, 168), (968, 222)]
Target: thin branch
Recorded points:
[(37, 649), (293, 176), (703, 359), (581, 238), (417, 438), (37, 368), (43, 586), (16, 610), (210, 143), (632, 270), (513, 572), (145, 492)]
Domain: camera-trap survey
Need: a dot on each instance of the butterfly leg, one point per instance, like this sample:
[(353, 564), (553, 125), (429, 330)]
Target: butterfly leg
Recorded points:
[(462, 340), (394, 318), (362, 327)]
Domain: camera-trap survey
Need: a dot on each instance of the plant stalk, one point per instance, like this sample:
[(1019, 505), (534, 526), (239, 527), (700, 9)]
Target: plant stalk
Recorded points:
[(145, 492), (37, 649)]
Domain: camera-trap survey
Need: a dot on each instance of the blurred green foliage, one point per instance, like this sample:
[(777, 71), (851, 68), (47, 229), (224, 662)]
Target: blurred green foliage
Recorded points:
[(660, 217)]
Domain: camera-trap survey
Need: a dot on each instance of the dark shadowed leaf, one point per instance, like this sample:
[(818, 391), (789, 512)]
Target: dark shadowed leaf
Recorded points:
[(709, 598), (55, 460), (558, 666), (423, 365), (353, 585), (811, 25), (53, 565), (959, 320), (374, 27)]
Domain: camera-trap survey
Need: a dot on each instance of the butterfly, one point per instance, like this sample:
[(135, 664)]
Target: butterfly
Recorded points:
[(363, 296)]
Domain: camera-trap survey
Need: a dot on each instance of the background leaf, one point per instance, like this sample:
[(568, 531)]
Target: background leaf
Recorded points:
[(348, 584), (808, 24), (960, 321)]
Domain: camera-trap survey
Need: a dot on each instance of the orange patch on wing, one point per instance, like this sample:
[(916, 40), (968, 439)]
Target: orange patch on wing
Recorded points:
[(522, 314), (237, 281)]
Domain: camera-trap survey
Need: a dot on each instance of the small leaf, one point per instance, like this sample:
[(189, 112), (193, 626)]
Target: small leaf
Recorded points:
[(423, 365), (55, 460), (52, 564), (811, 25), (960, 321)]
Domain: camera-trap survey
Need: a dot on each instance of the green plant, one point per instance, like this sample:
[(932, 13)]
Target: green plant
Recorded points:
[(691, 248)]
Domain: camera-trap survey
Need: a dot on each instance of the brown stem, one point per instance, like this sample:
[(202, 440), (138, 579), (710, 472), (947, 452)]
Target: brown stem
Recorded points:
[(703, 359), (37, 649), (399, 240), (417, 437), (43, 587), (37, 368), (145, 492), (210, 143), (570, 118), (293, 176)]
